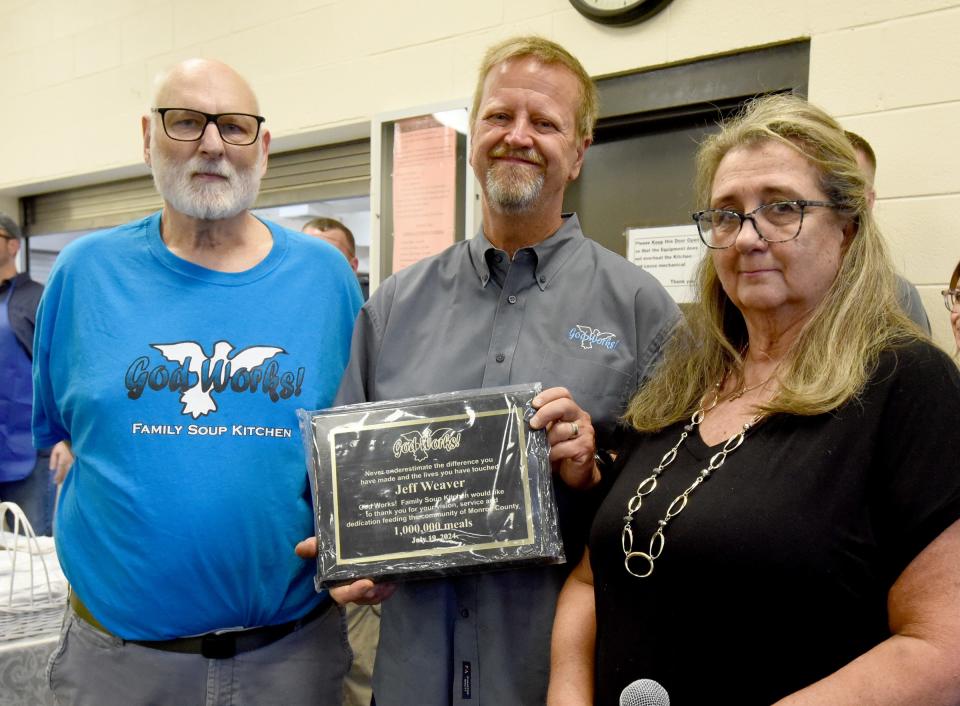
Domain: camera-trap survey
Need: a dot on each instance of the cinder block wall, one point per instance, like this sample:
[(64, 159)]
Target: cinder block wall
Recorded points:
[(75, 75)]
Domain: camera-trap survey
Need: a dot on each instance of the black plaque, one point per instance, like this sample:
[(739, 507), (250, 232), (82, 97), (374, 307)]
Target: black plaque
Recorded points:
[(431, 485)]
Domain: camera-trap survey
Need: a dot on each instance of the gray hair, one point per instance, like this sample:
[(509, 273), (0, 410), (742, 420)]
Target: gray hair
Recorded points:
[(9, 226)]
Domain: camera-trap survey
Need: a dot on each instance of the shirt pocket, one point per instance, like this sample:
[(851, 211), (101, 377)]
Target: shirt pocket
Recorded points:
[(602, 390)]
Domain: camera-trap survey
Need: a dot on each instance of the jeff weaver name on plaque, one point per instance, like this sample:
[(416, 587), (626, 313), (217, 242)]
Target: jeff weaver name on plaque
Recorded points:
[(431, 485)]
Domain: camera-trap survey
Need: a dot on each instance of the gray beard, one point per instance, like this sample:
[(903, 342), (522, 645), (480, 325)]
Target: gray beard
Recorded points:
[(509, 194), (208, 202)]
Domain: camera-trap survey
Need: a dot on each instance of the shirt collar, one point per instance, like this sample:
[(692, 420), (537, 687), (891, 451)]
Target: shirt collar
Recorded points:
[(5, 284), (550, 253)]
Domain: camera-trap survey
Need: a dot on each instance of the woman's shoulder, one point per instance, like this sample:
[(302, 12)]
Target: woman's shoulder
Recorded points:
[(917, 371), (915, 358)]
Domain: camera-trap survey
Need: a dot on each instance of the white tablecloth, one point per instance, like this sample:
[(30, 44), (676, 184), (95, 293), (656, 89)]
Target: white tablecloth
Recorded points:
[(23, 669)]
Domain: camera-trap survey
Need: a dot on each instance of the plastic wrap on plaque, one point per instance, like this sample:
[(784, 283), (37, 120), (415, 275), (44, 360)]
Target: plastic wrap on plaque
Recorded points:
[(432, 485)]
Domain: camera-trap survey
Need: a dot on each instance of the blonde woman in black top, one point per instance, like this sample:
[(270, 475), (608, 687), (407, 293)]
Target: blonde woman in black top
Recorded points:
[(784, 525)]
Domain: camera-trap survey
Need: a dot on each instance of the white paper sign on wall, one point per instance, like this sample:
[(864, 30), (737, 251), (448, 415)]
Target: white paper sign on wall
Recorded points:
[(669, 253)]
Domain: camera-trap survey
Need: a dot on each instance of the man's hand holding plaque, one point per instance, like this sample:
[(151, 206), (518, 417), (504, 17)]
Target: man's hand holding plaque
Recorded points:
[(428, 486), (571, 437)]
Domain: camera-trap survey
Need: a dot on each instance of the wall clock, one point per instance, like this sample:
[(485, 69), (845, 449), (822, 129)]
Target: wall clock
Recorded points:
[(619, 12)]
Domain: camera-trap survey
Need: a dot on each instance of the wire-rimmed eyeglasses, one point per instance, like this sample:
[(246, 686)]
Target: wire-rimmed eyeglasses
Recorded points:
[(775, 222), (951, 298), (186, 125)]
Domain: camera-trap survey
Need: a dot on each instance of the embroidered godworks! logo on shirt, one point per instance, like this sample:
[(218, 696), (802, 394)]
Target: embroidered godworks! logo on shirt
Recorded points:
[(590, 337), (201, 379)]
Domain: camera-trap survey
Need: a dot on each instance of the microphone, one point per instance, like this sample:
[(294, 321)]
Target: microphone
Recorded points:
[(644, 692)]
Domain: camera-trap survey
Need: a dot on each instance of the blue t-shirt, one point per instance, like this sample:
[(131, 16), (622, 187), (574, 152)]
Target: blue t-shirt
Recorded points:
[(178, 386)]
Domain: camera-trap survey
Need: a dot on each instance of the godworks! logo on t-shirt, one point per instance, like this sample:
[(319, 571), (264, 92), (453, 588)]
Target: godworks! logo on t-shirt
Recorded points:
[(199, 377)]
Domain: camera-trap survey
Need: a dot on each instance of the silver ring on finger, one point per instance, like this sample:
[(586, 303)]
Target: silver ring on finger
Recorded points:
[(574, 430)]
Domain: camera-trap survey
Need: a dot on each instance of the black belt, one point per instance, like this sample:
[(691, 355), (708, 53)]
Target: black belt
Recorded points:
[(213, 645)]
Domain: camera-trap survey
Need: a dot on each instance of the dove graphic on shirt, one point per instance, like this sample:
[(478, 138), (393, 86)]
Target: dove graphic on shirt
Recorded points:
[(591, 335), (198, 401)]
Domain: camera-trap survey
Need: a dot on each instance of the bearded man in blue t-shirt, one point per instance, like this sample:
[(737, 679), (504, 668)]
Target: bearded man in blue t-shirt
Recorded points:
[(172, 353)]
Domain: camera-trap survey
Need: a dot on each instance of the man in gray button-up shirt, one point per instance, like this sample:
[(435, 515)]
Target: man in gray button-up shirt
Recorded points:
[(528, 299)]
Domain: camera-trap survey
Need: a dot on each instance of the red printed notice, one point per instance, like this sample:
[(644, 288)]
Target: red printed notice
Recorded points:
[(424, 189)]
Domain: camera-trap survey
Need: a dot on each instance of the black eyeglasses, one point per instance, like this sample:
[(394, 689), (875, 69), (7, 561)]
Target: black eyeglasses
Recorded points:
[(185, 125), (781, 221), (951, 298)]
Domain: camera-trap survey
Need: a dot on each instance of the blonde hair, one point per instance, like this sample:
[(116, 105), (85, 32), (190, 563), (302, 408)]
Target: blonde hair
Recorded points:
[(546, 52), (859, 316)]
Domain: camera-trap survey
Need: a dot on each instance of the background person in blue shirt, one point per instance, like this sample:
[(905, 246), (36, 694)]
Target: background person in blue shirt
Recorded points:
[(26, 476)]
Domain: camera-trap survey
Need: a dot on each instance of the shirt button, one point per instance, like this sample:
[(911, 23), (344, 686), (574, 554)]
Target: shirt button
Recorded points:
[(464, 613), (501, 357), (542, 279), (512, 299), (498, 257)]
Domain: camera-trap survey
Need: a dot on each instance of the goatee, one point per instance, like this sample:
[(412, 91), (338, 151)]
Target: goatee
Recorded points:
[(513, 188)]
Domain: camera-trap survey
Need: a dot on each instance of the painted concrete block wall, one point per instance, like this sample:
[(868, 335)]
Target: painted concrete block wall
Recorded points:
[(896, 81), (75, 75), (10, 206)]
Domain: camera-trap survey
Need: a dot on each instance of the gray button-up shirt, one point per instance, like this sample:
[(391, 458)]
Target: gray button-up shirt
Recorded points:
[(565, 312)]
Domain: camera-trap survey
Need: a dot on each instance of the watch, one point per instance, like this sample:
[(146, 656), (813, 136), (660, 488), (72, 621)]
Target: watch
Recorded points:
[(619, 12)]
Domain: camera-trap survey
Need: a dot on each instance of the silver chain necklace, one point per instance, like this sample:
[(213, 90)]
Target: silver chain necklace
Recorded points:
[(649, 484)]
